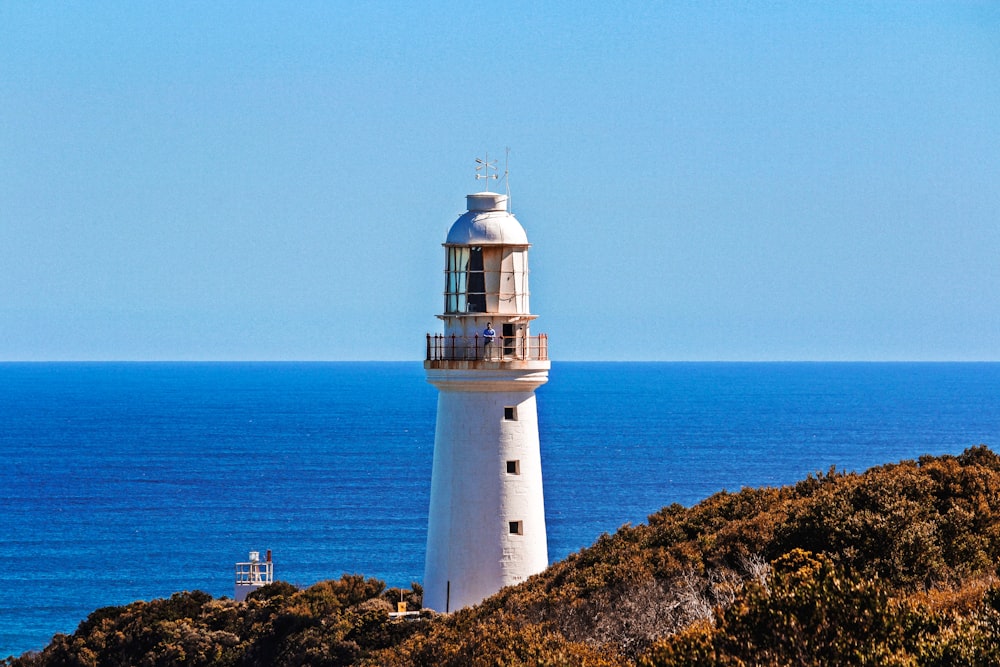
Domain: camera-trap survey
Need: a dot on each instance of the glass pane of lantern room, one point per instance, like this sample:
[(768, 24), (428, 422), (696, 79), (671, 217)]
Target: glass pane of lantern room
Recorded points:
[(491, 274), (476, 283), (458, 263), (519, 271)]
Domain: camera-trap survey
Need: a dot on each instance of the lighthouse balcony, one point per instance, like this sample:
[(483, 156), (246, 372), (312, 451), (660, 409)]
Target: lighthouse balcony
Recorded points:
[(502, 349)]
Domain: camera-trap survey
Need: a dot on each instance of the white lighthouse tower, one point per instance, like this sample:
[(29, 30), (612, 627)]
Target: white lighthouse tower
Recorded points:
[(486, 527)]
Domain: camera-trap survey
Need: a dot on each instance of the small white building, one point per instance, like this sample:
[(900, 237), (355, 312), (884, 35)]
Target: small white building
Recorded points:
[(486, 526), (253, 574)]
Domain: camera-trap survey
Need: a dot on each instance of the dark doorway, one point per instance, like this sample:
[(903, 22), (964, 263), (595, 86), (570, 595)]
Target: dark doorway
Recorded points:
[(509, 340)]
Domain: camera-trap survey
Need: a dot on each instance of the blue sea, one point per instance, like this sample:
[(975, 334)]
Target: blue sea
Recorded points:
[(126, 481)]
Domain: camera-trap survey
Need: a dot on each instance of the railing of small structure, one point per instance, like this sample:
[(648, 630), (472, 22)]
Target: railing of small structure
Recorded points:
[(471, 348), (255, 572)]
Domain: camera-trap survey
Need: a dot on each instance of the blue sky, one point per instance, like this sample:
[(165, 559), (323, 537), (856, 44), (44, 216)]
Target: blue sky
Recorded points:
[(700, 181)]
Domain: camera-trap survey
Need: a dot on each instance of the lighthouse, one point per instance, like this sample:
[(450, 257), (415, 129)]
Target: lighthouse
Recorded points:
[(486, 525)]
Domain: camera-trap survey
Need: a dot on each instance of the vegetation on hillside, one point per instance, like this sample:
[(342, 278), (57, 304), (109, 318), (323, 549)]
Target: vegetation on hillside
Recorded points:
[(894, 566)]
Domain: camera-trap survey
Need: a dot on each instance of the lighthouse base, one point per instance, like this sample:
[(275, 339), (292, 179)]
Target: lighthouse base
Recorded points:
[(486, 526)]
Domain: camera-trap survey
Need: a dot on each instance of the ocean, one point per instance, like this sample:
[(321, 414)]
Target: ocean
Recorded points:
[(127, 481)]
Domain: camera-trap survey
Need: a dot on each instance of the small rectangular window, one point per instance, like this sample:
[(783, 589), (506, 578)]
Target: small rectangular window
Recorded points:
[(510, 413), (513, 467), (516, 528)]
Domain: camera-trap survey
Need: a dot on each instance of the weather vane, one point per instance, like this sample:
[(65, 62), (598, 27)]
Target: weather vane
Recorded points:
[(485, 166)]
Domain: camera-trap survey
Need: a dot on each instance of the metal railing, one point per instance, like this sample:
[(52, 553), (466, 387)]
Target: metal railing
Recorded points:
[(255, 572), (477, 348)]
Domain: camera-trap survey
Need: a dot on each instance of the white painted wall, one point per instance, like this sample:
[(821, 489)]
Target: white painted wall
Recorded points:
[(241, 591), (470, 551)]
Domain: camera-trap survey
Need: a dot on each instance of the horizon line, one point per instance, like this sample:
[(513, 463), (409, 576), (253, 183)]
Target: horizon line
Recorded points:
[(584, 361)]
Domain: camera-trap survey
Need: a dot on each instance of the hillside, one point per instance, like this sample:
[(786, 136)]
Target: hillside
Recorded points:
[(893, 566)]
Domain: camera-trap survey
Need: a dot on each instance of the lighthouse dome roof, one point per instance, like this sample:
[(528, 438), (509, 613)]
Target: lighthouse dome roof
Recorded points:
[(487, 222)]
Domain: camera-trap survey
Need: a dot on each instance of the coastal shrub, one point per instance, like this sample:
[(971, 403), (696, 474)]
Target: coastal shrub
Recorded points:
[(277, 589), (896, 565)]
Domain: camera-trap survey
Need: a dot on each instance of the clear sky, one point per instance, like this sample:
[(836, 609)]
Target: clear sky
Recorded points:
[(700, 181)]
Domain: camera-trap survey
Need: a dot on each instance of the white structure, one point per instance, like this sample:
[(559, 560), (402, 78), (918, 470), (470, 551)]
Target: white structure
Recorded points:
[(252, 575), (486, 527)]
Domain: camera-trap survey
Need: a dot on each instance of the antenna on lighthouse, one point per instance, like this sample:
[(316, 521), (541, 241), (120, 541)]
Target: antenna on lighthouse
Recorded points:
[(485, 166), (506, 177)]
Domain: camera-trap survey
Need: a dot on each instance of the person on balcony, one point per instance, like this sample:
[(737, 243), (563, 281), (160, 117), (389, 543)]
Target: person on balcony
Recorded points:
[(489, 335)]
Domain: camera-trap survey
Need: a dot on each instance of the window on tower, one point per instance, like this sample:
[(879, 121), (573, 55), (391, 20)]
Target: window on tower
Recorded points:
[(510, 413), (513, 467), (516, 527)]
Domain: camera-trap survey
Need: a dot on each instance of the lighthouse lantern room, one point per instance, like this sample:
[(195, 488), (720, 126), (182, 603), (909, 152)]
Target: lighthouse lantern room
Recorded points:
[(486, 525)]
